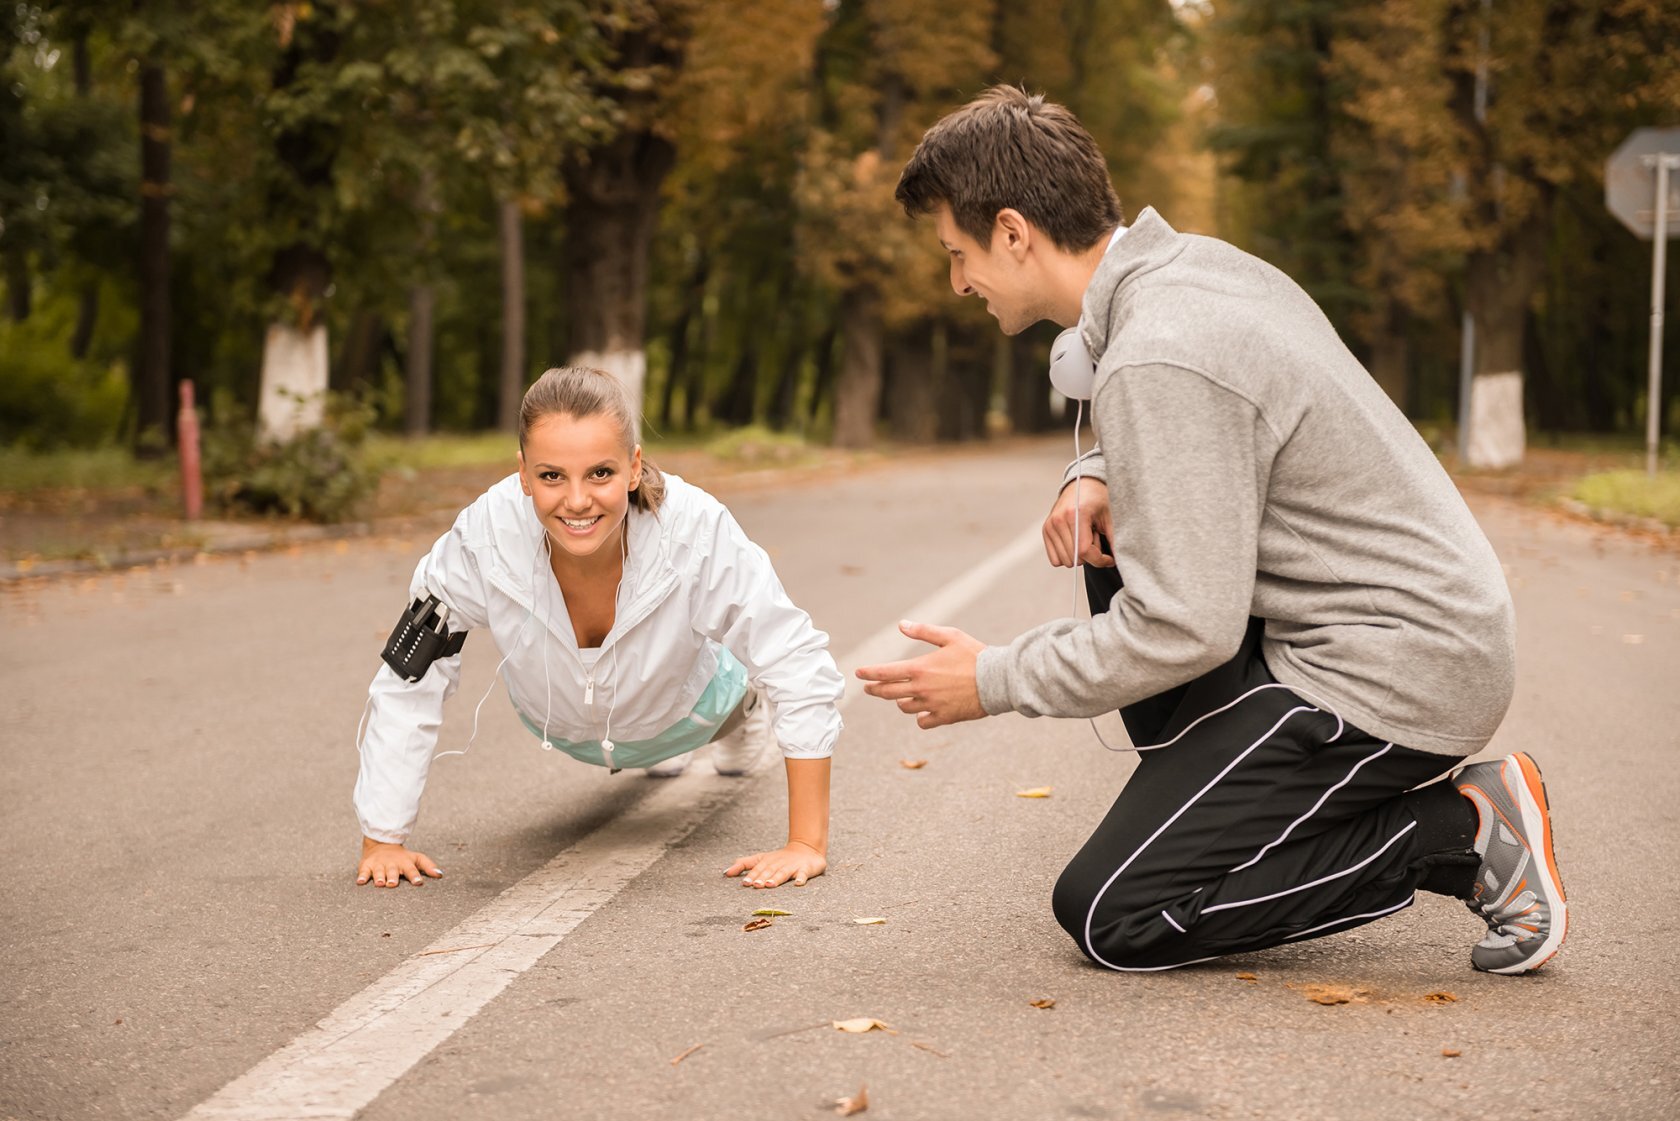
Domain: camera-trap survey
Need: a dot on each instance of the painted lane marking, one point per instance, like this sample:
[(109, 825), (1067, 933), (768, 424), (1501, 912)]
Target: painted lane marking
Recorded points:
[(347, 1059)]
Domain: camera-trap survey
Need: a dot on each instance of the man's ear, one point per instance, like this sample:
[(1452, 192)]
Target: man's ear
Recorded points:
[(1011, 233)]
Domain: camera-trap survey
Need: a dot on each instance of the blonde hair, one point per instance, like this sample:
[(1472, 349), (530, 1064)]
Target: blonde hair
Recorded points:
[(583, 391)]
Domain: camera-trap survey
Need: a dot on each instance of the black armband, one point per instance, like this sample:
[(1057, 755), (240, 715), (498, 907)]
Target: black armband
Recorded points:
[(421, 637)]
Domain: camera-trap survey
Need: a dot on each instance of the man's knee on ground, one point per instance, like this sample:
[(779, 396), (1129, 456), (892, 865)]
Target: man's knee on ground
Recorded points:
[(1111, 921)]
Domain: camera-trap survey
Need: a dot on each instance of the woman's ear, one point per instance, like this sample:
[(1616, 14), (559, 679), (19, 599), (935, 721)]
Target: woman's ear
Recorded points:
[(636, 467), (524, 480)]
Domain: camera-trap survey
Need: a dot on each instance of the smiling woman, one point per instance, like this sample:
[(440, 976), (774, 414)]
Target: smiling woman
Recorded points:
[(635, 622)]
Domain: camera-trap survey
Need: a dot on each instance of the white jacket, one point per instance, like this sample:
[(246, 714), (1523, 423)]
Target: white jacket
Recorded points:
[(693, 583)]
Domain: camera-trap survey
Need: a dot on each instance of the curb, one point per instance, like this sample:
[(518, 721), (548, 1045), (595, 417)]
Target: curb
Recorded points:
[(242, 540), (1617, 518)]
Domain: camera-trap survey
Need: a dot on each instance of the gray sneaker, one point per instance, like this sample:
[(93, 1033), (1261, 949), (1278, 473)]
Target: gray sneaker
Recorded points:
[(1518, 891)]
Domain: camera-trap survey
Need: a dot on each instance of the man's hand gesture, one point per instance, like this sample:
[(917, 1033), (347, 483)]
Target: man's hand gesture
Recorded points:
[(938, 687)]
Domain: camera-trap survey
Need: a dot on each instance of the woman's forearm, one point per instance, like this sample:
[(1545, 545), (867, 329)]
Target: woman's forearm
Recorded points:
[(807, 781)]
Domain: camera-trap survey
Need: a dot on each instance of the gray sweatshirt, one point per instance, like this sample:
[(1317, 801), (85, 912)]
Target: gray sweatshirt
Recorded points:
[(1255, 468)]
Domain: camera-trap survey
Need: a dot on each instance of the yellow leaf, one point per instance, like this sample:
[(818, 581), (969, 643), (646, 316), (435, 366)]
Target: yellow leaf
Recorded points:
[(912, 764), (857, 1103), (862, 1025), (759, 924), (1440, 998), (1035, 792), (869, 921), (1246, 977), (772, 912), (1450, 1053), (1045, 1003)]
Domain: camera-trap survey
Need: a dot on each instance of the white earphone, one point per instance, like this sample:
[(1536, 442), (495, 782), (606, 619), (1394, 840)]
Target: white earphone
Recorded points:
[(1072, 370)]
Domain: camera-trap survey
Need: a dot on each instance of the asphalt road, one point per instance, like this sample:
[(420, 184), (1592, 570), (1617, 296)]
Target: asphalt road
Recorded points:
[(176, 757)]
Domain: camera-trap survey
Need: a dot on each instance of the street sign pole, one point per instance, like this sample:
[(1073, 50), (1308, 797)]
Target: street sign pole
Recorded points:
[(1659, 263)]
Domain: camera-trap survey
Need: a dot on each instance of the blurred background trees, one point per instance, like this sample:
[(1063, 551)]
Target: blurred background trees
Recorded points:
[(444, 197)]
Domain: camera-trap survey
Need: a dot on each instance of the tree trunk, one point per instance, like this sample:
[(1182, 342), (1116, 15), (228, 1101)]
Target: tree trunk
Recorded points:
[(18, 302), (610, 222), (694, 295), (295, 367), (822, 387), (1500, 285), (512, 386), (1029, 385), (150, 384), (857, 397), (359, 358), (916, 392), (417, 393), (1391, 359)]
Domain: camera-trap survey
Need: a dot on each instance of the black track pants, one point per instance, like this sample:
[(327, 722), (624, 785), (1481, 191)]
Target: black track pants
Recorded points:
[(1266, 820)]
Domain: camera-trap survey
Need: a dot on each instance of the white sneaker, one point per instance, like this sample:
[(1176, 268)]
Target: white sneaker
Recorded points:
[(672, 767), (736, 752)]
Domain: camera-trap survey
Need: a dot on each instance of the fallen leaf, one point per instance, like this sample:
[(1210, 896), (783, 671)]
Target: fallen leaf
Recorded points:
[(686, 1053), (387, 934), (1449, 1053), (1333, 994), (912, 764), (759, 924), (1045, 1003), (929, 1048), (117, 1021), (857, 1103), (1440, 998), (772, 912), (862, 1025), (874, 921), (1247, 977), (1035, 792)]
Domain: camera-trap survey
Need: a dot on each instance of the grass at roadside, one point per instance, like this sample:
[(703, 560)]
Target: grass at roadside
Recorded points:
[(25, 473), (1634, 493)]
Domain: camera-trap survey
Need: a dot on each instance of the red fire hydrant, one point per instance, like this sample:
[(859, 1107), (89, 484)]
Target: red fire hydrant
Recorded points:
[(186, 439)]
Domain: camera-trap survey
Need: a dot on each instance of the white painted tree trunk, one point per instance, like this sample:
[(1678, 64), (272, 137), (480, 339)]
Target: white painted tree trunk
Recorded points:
[(1497, 434), (629, 366), (294, 381)]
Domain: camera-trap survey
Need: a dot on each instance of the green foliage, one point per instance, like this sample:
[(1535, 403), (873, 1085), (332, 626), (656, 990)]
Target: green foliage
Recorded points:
[(322, 474), (1634, 493), (48, 399), (755, 444)]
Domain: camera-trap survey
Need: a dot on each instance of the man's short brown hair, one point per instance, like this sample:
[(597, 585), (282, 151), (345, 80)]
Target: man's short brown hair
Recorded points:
[(1009, 148)]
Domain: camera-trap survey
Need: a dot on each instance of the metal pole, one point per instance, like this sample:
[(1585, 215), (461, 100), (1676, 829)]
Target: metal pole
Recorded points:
[(1659, 263)]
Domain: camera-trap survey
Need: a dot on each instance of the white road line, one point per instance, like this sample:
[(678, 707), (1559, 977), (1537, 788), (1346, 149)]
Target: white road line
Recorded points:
[(347, 1059)]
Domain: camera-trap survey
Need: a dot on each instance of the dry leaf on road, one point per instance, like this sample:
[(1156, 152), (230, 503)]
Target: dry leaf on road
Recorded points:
[(1449, 1053), (929, 1048), (1247, 977), (1440, 998), (772, 912), (857, 1103), (875, 921), (759, 924), (912, 764), (863, 1024), (1046, 1003), (1334, 994), (1035, 792), (686, 1053)]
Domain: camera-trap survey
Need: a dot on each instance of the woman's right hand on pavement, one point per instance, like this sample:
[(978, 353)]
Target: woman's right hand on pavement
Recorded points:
[(1091, 517), (386, 864)]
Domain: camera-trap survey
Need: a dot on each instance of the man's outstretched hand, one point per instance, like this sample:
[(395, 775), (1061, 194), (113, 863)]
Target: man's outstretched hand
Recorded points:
[(936, 688)]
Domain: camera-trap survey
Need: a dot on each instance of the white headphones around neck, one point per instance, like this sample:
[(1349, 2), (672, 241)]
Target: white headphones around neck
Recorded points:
[(1072, 370)]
